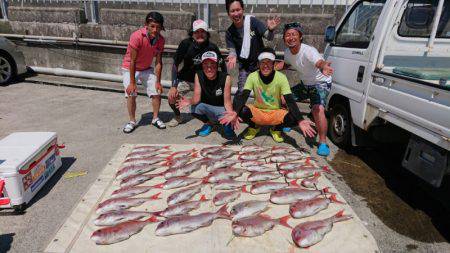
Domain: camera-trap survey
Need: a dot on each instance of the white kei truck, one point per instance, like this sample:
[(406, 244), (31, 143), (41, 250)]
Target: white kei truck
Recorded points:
[(391, 62)]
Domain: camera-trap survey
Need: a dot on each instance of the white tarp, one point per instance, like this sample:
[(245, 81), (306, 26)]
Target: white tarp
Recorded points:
[(74, 235)]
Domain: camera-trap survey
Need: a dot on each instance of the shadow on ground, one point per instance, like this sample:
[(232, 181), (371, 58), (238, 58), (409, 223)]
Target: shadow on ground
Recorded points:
[(6, 241), (402, 201)]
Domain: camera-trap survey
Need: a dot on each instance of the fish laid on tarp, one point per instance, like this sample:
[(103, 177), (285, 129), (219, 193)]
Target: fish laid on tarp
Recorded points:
[(222, 198), (186, 169), (181, 208), (120, 232), (260, 168), (185, 153), (135, 180), (148, 161), (183, 195), (117, 204), (304, 172), (252, 163), (131, 191), (293, 165), (309, 233), (187, 223), (115, 217), (248, 208), (132, 170), (253, 148), (268, 187), (177, 162), (282, 150), (282, 158), (311, 182), (177, 182), (145, 154), (221, 154), (257, 225), (311, 207), (229, 184), (291, 195), (263, 176), (218, 164), (222, 174), (149, 148), (211, 149), (252, 156)]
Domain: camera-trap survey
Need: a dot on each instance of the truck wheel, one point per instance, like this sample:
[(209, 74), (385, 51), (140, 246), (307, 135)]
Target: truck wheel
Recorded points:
[(339, 125), (20, 208), (7, 69)]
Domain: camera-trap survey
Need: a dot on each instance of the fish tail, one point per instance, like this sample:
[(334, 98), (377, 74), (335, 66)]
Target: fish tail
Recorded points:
[(294, 183), (340, 216), (326, 169), (283, 221), (152, 219), (155, 196), (223, 212), (335, 200), (203, 198), (326, 190)]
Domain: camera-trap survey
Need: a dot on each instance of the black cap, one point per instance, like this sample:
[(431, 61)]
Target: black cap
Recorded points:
[(294, 25), (156, 17)]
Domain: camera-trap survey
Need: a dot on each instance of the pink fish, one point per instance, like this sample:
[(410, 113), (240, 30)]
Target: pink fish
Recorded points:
[(183, 195), (295, 165), (145, 160), (120, 232), (252, 163), (282, 150), (181, 208), (222, 174), (291, 195), (221, 154), (268, 187), (309, 233), (311, 182), (252, 156), (117, 204), (226, 197), (115, 217), (177, 182), (211, 149), (186, 153), (304, 172), (311, 207), (229, 184), (131, 191), (257, 225), (263, 176), (134, 180), (253, 148), (177, 162), (132, 170)]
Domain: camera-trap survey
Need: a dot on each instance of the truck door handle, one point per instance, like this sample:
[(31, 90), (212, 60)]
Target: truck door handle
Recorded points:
[(359, 77)]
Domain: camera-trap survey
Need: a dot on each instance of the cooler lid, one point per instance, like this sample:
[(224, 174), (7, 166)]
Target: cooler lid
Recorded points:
[(18, 148)]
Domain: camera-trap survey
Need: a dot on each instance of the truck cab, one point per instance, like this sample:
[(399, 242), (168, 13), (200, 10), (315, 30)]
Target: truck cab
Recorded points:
[(392, 70)]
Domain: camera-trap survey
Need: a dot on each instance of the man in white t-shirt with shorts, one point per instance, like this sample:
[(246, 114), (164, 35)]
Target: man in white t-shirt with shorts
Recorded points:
[(315, 74)]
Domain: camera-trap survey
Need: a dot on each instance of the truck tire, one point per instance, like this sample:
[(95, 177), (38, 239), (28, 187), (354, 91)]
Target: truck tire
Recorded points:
[(7, 69), (339, 125)]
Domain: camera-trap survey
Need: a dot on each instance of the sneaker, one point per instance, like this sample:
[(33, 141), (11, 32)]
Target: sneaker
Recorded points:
[(323, 149), (228, 132), (158, 123), (276, 135), (175, 121), (205, 130), (286, 129), (129, 127), (251, 133)]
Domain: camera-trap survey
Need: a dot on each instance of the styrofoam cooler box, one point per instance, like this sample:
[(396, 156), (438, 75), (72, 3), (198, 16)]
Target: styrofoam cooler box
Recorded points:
[(27, 161)]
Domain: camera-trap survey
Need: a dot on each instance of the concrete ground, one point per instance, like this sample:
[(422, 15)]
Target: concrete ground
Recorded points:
[(90, 122)]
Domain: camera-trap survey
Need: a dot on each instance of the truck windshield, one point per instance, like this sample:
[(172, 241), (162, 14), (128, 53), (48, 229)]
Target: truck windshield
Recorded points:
[(417, 19)]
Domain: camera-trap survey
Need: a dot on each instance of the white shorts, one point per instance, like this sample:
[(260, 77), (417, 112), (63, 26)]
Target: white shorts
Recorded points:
[(146, 77)]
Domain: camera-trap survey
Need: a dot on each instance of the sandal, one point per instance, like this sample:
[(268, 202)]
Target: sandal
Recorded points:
[(129, 127)]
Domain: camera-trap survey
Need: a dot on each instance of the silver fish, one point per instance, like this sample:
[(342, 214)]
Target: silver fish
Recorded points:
[(253, 148), (221, 154), (178, 162), (252, 163), (248, 208), (136, 180), (222, 198), (251, 156), (218, 164), (268, 187), (291, 195), (177, 182), (304, 172), (229, 184), (263, 176), (127, 192), (116, 217), (186, 170), (117, 204), (282, 158), (222, 174), (120, 232), (311, 232), (187, 223), (183, 195), (260, 168), (185, 153), (311, 207), (256, 225), (132, 170)]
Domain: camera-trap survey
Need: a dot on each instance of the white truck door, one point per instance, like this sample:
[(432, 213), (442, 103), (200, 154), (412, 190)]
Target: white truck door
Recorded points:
[(350, 52)]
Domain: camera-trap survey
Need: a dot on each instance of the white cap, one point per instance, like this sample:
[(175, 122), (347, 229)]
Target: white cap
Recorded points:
[(199, 24), (266, 55), (209, 55)]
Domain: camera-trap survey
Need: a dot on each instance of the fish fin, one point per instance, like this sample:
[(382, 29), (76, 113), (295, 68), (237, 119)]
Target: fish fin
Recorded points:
[(283, 172), (195, 154), (308, 160), (283, 221), (205, 180), (152, 219), (326, 169), (294, 183), (326, 190), (203, 198), (316, 174), (223, 212), (335, 200), (161, 185), (265, 216), (339, 216), (244, 189), (166, 147), (156, 196)]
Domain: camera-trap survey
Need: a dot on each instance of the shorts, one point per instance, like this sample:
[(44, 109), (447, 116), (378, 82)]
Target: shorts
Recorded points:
[(317, 94), (145, 77), (267, 117)]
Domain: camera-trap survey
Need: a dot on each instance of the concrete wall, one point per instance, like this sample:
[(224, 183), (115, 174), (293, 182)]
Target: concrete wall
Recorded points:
[(118, 20)]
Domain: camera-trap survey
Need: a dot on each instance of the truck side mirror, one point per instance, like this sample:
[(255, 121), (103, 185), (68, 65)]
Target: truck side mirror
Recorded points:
[(330, 33)]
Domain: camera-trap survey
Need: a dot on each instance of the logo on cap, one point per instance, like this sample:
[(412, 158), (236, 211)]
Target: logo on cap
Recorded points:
[(209, 55)]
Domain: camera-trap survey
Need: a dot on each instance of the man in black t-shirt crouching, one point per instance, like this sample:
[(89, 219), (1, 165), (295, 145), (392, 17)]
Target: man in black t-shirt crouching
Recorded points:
[(212, 96)]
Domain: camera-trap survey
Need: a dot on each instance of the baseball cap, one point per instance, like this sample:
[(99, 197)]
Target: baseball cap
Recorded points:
[(156, 17), (199, 24), (267, 53), (294, 25), (209, 55)]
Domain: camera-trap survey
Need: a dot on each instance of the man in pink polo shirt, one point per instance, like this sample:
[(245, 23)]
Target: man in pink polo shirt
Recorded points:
[(145, 45)]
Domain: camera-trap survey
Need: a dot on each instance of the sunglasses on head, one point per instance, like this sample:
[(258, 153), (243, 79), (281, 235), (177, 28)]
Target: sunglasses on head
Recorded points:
[(292, 25)]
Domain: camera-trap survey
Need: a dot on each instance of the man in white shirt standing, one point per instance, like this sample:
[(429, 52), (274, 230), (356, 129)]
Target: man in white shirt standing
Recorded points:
[(315, 74)]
